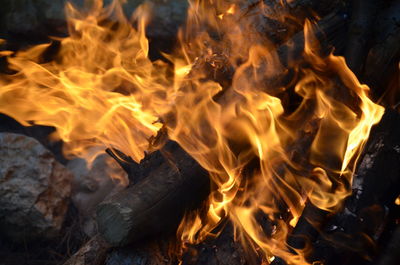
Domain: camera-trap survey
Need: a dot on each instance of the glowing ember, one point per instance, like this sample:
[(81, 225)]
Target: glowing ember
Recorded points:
[(102, 90)]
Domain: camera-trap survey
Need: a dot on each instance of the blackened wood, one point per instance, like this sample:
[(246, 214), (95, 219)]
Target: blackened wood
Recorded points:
[(146, 253), (362, 19), (291, 52), (350, 234), (221, 250), (383, 58), (133, 169), (377, 178), (391, 255), (347, 236), (308, 8), (91, 253), (307, 228), (156, 204)]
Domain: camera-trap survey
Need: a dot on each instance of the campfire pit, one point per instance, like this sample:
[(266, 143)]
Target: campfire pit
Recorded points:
[(257, 132)]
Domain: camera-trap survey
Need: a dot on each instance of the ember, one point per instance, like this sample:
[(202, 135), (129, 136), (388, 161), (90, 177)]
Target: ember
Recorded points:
[(250, 129)]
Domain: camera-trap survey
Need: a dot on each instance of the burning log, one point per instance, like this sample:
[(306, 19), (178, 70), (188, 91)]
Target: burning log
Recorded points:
[(291, 51), (164, 190), (379, 153), (307, 227), (169, 182), (222, 250), (375, 187), (155, 204)]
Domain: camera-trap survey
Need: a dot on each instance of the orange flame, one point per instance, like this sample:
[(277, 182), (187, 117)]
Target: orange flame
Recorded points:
[(225, 103)]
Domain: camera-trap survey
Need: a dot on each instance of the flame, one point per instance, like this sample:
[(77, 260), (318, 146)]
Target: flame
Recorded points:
[(92, 90), (226, 102)]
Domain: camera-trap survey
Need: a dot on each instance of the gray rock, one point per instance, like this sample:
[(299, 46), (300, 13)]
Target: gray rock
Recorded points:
[(38, 18), (92, 184), (34, 189), (167, 17)]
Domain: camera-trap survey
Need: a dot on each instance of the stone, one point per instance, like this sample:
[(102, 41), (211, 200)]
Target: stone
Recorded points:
[(34, 190), (92, 183), (40, 18)]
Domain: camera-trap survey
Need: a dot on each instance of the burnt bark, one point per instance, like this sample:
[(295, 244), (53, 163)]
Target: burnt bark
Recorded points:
[(327, 28), (363, 17), (383, 58), (391, 255), (221, 250), (92, 252), (351, 235), (156, 204), (348, 236), (149, 253), (307, 227)]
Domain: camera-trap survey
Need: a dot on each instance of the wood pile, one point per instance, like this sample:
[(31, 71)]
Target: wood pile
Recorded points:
[(137, 225)]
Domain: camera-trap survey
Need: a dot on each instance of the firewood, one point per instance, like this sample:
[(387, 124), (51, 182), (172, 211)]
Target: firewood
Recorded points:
[(363, 17), (307, 227), (383, 58), (156, 204), (290, 52), (132, 168), (375, 187), (352, 231), (92, 253), (391, 255), (165, 190), (145, 253), (221, 250)]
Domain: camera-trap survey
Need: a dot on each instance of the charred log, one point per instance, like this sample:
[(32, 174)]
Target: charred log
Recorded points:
[(156, 204), (148, 253), (325, 31), (383, 58), (391, 255), (92, 253), (134, 213), (347, 237), (307, 227), (221, 250), (350, 235), (363, 17), (291, 51)]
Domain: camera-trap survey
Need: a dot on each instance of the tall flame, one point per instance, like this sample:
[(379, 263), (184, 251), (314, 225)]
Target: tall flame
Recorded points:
[(227, 102)]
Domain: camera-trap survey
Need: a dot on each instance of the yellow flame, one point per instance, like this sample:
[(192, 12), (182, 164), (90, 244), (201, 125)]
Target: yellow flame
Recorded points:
[(231, 9), (223, 101)]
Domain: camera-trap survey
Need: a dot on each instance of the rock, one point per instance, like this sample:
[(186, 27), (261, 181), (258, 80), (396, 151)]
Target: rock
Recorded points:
[(167, 17), (32, 18), (39, 18), (34, 189), (92, 186)]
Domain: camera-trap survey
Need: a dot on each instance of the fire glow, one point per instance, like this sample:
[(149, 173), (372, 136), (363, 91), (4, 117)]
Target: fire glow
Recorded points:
[(102, 90)]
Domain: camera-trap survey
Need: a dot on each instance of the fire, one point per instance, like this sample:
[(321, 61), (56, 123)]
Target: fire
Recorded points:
[(397, 201), (225, 102), (91, 91)]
